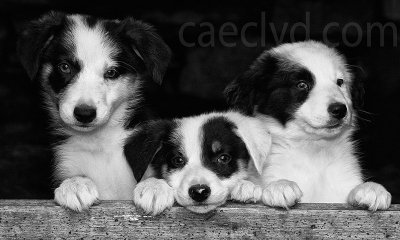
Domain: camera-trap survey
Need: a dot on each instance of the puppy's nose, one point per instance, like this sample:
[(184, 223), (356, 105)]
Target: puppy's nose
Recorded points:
[(199, 193), (84, 113), (337, 110)]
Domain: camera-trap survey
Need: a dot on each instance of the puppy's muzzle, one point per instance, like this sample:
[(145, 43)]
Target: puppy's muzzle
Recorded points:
[(337, 110), (199, 192), (84, 113)]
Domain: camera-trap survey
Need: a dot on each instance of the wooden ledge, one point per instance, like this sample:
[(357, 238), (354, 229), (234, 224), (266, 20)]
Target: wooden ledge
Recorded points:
[(43, 219)]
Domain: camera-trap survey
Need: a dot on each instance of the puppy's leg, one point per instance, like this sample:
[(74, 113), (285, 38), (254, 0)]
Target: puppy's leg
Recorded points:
[(153, 195), (282, 193), (246, 191), (76, 193), (371, 195)]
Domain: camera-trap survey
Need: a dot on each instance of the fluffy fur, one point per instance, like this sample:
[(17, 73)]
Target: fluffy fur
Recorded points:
[(198, 161), (307, 98), (93, 73)]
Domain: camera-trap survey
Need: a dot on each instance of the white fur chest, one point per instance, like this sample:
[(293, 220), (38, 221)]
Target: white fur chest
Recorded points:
[(325, 171), (100, 157)]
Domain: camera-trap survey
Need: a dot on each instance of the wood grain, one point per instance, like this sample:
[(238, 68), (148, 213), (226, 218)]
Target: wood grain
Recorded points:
[(42, 219)]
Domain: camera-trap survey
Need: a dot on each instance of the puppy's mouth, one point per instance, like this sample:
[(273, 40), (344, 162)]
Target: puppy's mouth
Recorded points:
[(334, 125), (331, 125)]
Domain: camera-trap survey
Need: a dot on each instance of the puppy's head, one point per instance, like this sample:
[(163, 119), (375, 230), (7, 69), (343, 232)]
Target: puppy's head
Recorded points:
[(305, 84), (202, 158), (91, 70)]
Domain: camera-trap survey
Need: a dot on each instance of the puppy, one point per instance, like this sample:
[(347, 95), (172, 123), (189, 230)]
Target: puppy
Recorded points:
[(307, 98), (93, 75), (198, 161)]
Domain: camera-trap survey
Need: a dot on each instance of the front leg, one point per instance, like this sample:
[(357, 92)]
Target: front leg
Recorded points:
[(76, 193), (246, 191), (282, 193), (371, 195), (153, 195)]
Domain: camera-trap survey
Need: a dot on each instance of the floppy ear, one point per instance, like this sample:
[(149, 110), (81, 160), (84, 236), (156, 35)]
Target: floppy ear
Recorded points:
[(142, 146), (35, 38), (242, 93), (149, 46), (257, 139)]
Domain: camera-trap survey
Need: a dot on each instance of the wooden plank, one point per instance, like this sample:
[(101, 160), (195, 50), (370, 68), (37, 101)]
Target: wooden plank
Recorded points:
[(42, 219)]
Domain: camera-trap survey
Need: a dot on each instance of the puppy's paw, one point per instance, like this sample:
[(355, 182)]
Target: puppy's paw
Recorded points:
[(153, 195), (246, 191), (76, 193), (371, 195), (281, 193)]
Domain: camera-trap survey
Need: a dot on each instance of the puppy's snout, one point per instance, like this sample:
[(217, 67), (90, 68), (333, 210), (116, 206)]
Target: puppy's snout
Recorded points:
[(337, 110), (199, 192), (85, 113)]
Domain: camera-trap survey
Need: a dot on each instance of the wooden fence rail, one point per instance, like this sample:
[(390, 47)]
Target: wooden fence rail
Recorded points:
[(42, 219)]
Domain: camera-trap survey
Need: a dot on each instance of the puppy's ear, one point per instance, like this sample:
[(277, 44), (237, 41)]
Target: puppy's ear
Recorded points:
[(257, 139), (243, 92), (35, 38), (240, 93), (149, 46), (143, 145)]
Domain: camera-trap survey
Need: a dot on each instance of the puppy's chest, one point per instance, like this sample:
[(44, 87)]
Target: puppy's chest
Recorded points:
[(102, 160), (324, 175)]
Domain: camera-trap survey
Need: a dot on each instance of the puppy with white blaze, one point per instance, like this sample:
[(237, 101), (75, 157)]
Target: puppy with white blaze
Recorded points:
[(198, 161), (307, 98), (93, 74)]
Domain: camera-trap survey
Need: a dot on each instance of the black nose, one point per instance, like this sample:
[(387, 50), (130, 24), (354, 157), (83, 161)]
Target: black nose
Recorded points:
[(85, 113), (199, 193), (337, 110)]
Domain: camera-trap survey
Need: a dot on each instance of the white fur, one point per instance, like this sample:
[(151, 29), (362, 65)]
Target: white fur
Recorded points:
[(76, 193), (246, 191), (310, 162), (94, 152), (153, 195), (257, 140)]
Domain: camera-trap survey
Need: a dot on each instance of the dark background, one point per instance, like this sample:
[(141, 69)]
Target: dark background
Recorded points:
[(198, 75)]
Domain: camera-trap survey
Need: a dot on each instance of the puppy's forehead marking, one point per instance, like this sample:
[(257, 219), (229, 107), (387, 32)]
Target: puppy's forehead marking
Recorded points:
[(93, 47), (324, 62)]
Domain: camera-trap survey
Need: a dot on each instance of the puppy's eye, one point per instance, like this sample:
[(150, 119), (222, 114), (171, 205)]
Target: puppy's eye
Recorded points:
[(224, 159), (302, 85), (178, 161), (64, 68), (111, 73), (339, 82)]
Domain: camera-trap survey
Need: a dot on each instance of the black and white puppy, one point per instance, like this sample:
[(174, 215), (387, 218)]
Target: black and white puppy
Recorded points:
[(93, 73), (308, 99), (198, 161)]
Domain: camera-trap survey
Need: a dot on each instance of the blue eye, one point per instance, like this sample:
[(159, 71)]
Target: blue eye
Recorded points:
[(64, 68)]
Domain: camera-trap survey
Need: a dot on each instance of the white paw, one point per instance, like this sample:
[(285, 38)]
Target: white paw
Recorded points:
[(246, 191), (281, 193), (371, 195), (153, 195), (76, 193)]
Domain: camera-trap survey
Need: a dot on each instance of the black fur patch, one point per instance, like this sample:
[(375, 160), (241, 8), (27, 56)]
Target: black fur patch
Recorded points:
[(271, 85), (219, 131), (148, 146)]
